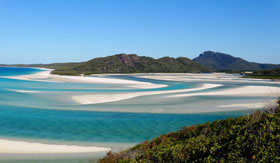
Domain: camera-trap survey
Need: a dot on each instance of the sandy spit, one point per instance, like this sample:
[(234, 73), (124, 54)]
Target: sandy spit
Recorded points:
[(46, 76)]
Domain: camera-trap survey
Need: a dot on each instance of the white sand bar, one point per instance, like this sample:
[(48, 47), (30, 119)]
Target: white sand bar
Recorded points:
[(20, 147), (241, 91), (201, 77), (246, 105), (103, 98)]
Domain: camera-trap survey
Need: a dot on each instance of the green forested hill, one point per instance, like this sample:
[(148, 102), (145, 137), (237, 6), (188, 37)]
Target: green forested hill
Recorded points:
[(131, 63), (254, 138), (224, 62), (123, 63)]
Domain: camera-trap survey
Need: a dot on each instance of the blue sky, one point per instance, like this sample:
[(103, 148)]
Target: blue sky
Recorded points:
[(45, 31)]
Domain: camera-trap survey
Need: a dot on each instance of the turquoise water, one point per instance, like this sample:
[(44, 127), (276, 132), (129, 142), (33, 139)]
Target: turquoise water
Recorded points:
[(27, 85), (15, 71), (39, 116), (94, 126)]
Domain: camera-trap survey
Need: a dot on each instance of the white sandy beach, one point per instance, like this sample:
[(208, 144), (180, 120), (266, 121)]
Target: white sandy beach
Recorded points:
[(20, 147)]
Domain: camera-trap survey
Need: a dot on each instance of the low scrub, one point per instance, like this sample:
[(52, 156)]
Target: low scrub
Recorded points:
[(252, 138)]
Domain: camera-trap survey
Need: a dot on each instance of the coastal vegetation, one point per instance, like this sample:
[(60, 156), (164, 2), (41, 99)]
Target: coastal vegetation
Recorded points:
[(265, 74), (129, 63), (251, 138)]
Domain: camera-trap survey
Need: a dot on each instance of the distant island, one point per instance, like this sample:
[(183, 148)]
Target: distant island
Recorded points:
[(253, 138), (208, 61), (125, 63), (130, 63)]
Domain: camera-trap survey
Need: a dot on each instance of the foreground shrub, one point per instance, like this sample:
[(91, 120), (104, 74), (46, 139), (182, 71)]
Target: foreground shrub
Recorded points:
[(253, 138)]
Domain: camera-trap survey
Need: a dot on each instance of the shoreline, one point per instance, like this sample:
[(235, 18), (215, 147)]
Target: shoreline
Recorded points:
[(46, 76), (25, 147)]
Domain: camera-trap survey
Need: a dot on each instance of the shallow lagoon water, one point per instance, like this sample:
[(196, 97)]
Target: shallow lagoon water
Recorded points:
[(91, 126), (51, 115)]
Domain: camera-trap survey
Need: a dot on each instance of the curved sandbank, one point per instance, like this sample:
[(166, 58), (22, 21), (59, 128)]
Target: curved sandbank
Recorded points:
[(241, 91), (257, 105), (214, 77), (20, 147), (104, 98), (90, 79), (46, 76)]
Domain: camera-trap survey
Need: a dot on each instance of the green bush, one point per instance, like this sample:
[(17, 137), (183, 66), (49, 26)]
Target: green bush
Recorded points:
[(253, 138)]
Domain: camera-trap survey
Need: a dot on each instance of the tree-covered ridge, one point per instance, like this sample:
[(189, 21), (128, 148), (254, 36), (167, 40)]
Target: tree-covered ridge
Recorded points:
[(123, 63), (208, 61), (253, 138), (224, 62)]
